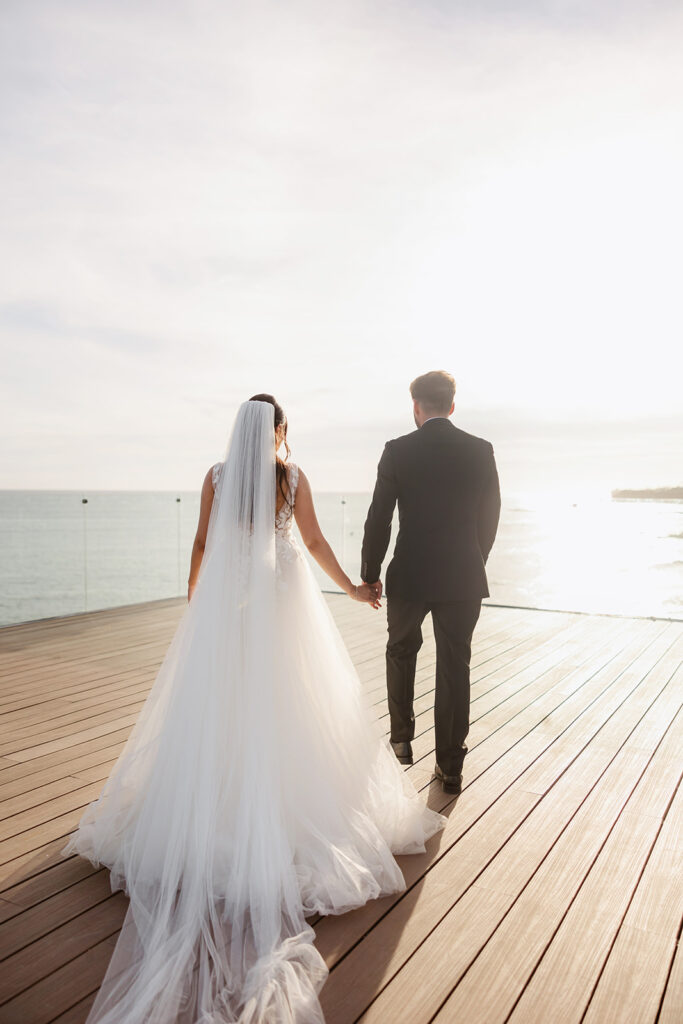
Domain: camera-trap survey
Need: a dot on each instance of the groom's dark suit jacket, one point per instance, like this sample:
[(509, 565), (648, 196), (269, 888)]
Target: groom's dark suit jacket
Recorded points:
[(446, 484)]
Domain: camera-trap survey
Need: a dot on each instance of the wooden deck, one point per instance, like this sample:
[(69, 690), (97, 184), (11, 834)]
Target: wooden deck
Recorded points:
[(554, 894)]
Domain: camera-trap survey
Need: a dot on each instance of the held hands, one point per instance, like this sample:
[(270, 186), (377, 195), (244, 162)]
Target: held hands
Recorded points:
[(367, 593)]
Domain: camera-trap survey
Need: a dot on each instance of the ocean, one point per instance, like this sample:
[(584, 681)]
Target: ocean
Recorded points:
[(60, 555)]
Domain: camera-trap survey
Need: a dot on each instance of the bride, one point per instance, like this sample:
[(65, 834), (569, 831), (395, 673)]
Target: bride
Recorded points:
[(256, 787)]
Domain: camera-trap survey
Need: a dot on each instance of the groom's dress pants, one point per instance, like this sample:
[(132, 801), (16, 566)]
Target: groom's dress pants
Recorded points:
[(454, 623)]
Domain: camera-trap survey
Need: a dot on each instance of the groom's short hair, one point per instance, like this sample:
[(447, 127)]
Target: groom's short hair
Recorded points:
[(434, 391)]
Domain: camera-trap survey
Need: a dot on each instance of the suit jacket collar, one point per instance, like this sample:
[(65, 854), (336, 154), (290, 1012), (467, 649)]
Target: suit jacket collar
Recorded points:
[(437, 423)]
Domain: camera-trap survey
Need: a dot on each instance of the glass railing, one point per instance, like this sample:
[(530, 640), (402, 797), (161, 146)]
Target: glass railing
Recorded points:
[(63, 552)]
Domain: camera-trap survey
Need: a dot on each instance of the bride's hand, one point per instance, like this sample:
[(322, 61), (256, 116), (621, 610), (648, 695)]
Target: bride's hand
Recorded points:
[(367, 593)]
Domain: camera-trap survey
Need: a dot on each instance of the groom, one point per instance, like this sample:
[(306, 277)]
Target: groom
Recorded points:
[(446, 485)]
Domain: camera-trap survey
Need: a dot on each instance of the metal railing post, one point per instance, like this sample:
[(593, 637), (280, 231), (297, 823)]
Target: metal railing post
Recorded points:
[(84, 503)]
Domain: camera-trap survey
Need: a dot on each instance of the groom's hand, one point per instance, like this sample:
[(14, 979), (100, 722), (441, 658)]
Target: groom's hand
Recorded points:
[(366, 593), (377, 587)]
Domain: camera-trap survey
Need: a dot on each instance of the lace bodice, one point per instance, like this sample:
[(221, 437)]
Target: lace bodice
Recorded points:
[(283, 518)]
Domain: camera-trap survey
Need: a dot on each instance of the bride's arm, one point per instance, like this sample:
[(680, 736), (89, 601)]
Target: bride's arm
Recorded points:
[(202, 528), (314, 539)]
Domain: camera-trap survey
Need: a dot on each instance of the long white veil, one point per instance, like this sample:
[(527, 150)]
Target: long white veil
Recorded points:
[(215, 930)]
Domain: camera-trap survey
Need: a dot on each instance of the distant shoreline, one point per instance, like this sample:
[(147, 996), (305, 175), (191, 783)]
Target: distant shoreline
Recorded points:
[(651, 494)]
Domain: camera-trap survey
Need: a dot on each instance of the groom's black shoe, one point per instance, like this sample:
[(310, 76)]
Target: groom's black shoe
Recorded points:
[(403, 751), (450, 783)]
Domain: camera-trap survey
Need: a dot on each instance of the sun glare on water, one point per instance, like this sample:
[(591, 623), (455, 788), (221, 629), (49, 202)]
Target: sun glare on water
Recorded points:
[(590, 554)]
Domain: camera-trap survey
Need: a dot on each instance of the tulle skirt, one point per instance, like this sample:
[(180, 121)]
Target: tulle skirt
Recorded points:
[(235, 812)]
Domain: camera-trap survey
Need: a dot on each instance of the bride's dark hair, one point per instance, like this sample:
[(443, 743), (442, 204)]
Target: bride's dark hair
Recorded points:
[(280, 464)]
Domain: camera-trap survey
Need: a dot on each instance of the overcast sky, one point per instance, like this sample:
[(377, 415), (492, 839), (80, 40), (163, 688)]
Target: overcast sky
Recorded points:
[(203, 200)]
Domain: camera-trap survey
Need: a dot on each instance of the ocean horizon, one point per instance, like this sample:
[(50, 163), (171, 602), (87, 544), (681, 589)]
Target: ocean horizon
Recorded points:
[(61, 554)]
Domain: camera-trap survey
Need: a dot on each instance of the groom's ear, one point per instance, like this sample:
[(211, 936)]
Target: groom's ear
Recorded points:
[(452, 409)]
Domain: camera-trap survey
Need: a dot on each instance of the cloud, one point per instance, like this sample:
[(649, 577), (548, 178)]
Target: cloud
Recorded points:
[(205, 200)]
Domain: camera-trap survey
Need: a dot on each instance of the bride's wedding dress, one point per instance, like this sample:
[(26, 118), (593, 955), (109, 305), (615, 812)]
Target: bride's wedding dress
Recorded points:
[(256, 787)]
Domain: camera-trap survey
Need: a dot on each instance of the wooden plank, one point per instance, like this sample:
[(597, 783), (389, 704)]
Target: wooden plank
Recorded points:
[(541, 900), (564, 980), (111, 682), (94, 618), (68, 687), (102, 773), (71, 650), (59, 991), (39, 920), (531, 719), (508, 875), (65, 942), (373, 674), (352, 985), (670, 1012), (32, 863), (77, 1014), (26, 820), (527, 671), (638, 994), (25, 803), (87, 750), (142, 646), (25, 740), (483, 653), (486, 678), (63, 730), (36, 662), (61, 807), (557, 701), (47, 883), (637, 970), (112, 723), (54, 828)]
